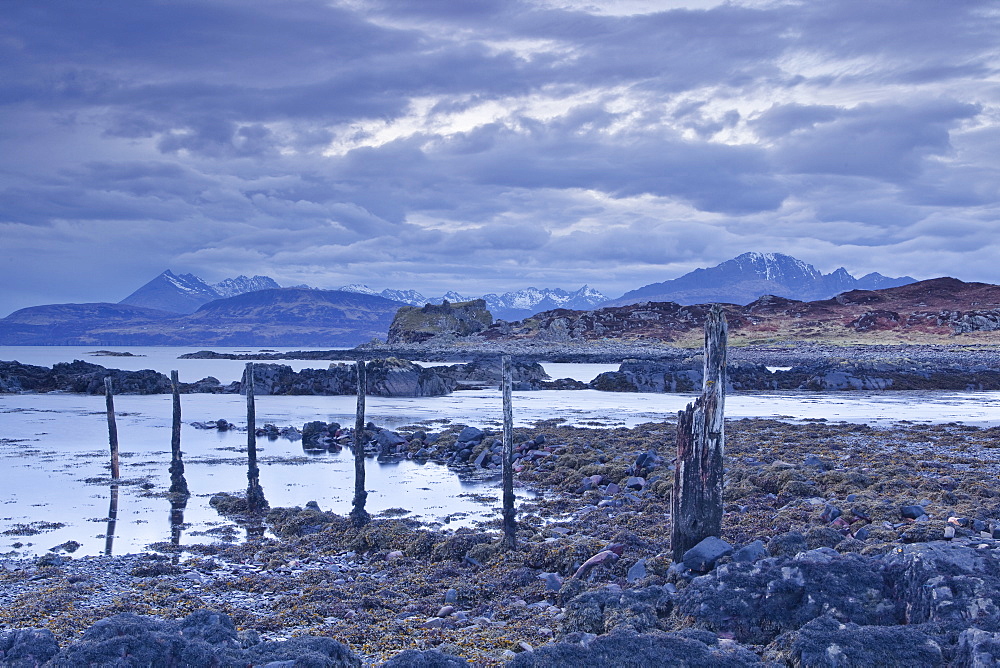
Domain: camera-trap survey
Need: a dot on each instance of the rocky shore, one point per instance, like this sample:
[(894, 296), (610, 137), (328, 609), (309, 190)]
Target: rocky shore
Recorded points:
[(842, 545)]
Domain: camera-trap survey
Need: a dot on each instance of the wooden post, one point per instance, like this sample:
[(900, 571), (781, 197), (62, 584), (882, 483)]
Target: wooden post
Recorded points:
[(109, 536), (696, 502), (255, 495), (509, 521), (359, 516), (109, 399), (178, 485)]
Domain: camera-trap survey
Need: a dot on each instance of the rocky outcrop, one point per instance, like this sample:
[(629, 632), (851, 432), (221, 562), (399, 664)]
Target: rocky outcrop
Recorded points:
[(389, 377), (415, 325), (488, 371), (830, 374), (79, 376)]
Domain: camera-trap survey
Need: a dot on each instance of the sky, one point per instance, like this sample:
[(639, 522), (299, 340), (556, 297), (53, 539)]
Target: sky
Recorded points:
[(490, 145)]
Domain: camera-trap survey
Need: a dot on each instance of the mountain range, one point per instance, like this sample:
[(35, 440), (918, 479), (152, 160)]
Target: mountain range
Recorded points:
[(272, 317), (183, 309), (508, 306), (750, 275)]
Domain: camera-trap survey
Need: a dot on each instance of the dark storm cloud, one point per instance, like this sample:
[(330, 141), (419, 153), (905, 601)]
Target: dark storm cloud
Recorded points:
[(489, 141)]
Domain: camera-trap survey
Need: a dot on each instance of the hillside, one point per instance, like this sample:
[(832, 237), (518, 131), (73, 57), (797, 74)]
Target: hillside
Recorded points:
[(277, 317), (936, 310)]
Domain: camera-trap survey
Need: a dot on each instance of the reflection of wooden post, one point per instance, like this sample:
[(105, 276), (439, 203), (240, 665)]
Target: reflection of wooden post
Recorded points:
[(255, 495), (109, 536), (178, 485), (109, 398), (359, 515), (696, 502), (509, 521)]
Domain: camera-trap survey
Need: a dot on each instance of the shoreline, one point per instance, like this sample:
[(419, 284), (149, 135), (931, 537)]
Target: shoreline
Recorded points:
[(387, 588)]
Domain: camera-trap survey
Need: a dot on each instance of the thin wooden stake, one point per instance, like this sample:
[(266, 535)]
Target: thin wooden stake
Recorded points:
[(178, 485), (255, 495), (509, 521), (696, 501), (359, 516), (109, 398)]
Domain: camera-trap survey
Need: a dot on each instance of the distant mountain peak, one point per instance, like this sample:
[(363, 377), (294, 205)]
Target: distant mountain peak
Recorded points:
[(750, 275), (231, 287), (185, 293)]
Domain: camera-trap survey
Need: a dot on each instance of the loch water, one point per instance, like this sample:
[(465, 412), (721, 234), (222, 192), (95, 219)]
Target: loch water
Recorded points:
[(54, 447)]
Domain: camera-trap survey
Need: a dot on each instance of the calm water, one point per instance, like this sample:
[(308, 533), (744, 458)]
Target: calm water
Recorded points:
[(51, 445)]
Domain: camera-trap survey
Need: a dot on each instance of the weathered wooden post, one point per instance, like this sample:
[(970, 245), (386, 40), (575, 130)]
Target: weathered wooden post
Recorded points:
[(255, 495), (109, 536), (696, 502), (509, 521), (109, 399), (178, 485), (359, 516)]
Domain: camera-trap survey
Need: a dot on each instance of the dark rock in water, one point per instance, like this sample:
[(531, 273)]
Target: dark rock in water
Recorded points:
[(827, 643), (390, 377), (27, 647), (431, 658), (702, 557), (318, 435), (79, 376), (628, 648)]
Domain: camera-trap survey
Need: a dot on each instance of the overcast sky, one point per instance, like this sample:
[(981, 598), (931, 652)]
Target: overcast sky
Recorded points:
[(489, 145)]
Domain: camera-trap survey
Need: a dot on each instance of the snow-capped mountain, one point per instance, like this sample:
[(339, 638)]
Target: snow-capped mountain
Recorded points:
[(507, 306), (182, 293), (241, 285), (750, 275), (517, 305), (186, 293)]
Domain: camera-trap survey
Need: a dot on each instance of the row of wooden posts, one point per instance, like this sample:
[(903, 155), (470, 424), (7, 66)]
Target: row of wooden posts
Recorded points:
[(696, 500)]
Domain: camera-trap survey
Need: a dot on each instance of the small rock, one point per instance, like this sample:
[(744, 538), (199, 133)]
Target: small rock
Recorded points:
[(637, 571), (830, 513), (750, 553), (911, 512), (446, 611), (949, 532), (451, 596), (702, 557)]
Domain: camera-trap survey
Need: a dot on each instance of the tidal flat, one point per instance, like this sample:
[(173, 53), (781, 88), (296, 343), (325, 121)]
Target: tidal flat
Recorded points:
[(821, 497)]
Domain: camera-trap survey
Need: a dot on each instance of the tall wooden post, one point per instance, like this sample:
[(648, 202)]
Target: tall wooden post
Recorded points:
[(178, 485), (696, 502), (359, 516), (509, 521), (255, 495), (109, 399), (109, 536)]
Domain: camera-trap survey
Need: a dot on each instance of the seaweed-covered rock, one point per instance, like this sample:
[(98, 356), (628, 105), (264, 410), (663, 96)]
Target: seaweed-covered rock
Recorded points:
[(203, 638), (27, 648), (605, 610), (305, 652), (826, 643), (628, 648), (431, 658), (756, 602)]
